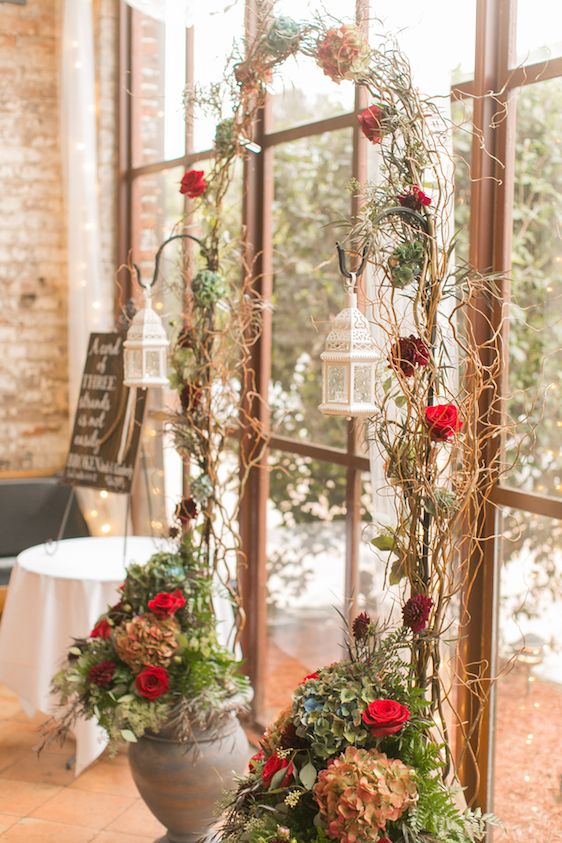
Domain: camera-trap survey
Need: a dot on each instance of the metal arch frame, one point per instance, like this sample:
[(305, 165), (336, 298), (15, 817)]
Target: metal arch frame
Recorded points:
[(490, 248)]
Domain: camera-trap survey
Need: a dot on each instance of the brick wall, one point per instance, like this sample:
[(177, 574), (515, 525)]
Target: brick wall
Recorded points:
[(33, 320), (34, 423)]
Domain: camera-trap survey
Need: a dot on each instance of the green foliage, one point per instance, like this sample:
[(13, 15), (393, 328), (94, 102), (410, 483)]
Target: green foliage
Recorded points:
[(406, 263)]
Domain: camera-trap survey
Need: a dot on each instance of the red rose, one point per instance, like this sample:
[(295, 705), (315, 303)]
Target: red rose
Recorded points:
[(101, 630), (166, 603), (415, 612), (443, 421), (308, 676), (273, 765), (152, 682), (414, 198), (255, 759), (193, 184), (101, 674), (370, 121), (385, 717)]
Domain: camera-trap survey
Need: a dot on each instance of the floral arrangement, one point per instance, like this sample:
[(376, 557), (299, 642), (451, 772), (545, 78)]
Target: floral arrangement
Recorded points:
[(153, 659), (351, 759), (432, 429)]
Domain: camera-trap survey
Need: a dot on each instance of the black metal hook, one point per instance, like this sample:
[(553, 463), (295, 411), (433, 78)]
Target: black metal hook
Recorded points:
[(343, 262), (157, 258)]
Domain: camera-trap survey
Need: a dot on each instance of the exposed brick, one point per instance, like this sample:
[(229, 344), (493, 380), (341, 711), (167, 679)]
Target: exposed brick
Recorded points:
[(33, 322)]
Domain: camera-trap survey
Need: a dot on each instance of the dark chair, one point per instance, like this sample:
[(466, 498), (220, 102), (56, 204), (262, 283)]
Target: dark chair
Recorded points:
[(31, 512)]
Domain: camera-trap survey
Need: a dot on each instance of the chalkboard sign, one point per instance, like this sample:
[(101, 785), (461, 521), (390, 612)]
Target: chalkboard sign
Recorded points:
[(108, 421)]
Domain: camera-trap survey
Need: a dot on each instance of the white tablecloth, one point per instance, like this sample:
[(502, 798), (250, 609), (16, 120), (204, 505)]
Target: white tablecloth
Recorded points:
[(56, 594)]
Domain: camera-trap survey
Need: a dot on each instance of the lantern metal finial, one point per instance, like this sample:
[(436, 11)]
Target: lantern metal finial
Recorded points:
[(349, 359)]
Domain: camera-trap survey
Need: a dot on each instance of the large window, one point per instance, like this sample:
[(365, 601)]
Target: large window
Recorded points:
[(305, 509)]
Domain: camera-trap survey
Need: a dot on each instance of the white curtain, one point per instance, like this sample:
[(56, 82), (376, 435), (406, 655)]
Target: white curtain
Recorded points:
[(90, 294)]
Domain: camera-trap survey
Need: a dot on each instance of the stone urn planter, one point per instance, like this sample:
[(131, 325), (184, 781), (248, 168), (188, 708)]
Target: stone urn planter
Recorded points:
[(182, 782)]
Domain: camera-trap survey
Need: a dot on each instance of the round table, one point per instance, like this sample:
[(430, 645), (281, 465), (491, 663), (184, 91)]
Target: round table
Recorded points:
[(56, 593)]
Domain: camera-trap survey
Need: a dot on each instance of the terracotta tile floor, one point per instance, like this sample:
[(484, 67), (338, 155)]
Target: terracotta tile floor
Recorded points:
[(42, 802)]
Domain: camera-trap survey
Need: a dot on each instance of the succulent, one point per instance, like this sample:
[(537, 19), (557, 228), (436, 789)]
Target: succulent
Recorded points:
[(361, 791), (224, 136), (146, 640), (207, 288), (284, 36), (343, 53), (406, 263)]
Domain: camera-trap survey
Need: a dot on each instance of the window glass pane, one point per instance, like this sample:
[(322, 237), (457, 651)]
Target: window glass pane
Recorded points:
[(306, 571), (217, 36), (430, 36), (158, 80), (302, 93), (528, 775), (311, 178), (539, 30), (461, 115), (535, 323), (157, 207)]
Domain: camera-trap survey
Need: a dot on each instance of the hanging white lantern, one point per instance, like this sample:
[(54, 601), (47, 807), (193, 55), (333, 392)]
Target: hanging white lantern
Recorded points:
[(349, 362), (145, 349)]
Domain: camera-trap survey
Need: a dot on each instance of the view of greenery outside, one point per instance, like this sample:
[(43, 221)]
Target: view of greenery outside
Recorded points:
[(535, 341)]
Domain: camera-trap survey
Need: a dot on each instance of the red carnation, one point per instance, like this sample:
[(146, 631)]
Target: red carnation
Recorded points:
[(415, 612), (193, 184), (101, 674), (443, 421), (308, 676), (385, 717), (414, 198), (273, 765), (166, 603), (407, 353), (371, 122), (152, 682), (186, 511), (101, 630)]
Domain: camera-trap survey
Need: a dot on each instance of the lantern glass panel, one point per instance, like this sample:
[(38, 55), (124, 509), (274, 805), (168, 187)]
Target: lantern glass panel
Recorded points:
[(362, 379), (134, 364), (153, 364), (337, 384)]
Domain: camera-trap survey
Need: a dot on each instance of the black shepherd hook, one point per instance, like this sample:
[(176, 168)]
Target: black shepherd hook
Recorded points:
[(343, 262), (157, 258)]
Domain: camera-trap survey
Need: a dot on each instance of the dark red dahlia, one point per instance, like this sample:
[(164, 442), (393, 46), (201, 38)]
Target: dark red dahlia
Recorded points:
[(289, 738), (186, 511), (414, 198), (360, 626), (407, 353), (415, 612), (101, 674), (190, 397)]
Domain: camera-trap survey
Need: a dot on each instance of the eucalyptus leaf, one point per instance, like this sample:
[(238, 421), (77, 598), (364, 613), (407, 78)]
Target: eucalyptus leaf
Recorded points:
[(128, 736), (397, 572), (308, 775)]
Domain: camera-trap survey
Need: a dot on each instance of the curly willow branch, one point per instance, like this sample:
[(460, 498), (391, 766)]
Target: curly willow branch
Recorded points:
[(439, 488)]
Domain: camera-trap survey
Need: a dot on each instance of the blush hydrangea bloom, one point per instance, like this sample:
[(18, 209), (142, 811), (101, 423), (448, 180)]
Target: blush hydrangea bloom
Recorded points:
[(362, 790)]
